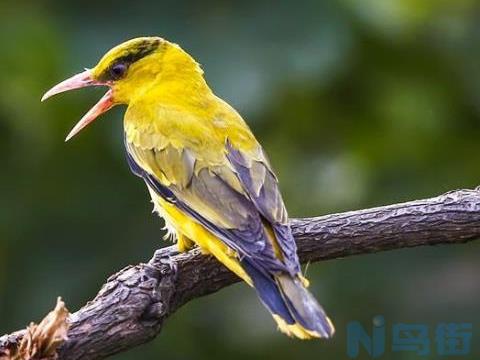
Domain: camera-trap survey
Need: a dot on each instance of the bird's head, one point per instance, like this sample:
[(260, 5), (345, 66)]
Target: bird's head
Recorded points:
[(128, 69)]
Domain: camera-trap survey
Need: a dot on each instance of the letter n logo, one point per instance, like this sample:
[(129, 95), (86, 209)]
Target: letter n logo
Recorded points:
[(356, 336)]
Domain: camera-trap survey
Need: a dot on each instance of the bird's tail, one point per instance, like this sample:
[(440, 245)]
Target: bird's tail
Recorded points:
[(293, 307)]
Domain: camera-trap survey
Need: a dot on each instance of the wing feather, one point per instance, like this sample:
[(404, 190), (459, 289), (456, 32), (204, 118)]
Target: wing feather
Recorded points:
[(235, 200), (266, 196)]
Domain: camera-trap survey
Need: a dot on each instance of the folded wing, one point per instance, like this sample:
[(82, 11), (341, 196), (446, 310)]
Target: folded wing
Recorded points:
[(238, 200)]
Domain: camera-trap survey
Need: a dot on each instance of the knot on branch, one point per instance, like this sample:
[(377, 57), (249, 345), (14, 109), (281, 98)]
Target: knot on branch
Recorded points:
[(38, 342)]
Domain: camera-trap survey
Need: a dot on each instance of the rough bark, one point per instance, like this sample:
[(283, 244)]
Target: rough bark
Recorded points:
[(134, 303)]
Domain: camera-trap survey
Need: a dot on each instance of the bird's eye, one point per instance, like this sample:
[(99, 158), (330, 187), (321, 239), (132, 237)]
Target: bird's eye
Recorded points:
[(118, 70)]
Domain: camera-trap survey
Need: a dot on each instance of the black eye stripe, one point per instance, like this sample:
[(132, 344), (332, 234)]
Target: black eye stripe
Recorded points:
[(120, 65), (139, 52)]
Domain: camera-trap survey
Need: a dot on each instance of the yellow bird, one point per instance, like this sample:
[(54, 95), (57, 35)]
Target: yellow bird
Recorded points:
[(208, 176)]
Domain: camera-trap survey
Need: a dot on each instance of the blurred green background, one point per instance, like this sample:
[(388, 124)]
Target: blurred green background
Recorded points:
[(358, 103)]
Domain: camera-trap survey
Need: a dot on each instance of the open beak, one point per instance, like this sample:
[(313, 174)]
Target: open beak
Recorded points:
[(78, 81)]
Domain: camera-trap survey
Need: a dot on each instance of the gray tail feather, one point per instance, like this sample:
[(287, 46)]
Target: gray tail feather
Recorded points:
[(303, 306)]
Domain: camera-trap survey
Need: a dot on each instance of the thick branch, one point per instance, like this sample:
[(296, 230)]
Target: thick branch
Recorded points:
[(132, 306)]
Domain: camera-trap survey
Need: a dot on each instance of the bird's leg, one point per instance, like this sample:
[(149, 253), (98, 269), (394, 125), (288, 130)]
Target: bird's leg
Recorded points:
[(184, 243)]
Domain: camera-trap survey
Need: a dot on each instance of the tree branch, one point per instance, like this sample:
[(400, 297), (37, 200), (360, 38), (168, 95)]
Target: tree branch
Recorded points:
[(133, 304)]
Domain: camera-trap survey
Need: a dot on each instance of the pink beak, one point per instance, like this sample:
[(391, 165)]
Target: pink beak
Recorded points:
[(78, 81)]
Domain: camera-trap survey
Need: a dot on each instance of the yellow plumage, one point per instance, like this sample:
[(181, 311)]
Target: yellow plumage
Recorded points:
[(207, 175)]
